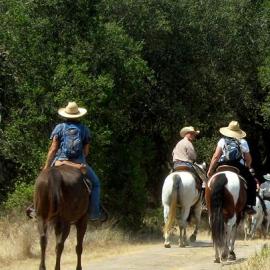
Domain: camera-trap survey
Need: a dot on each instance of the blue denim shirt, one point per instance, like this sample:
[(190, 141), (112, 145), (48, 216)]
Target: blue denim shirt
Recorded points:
[(58, 132)]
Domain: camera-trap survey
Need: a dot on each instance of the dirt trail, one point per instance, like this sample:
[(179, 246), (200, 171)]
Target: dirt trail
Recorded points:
[(199, 256)]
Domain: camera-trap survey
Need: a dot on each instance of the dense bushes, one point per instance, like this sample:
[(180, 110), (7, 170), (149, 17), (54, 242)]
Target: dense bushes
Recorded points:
[(143, 69)]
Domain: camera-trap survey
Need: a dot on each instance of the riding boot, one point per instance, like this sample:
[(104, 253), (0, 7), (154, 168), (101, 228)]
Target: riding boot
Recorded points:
[(30, 211), (250, 202)]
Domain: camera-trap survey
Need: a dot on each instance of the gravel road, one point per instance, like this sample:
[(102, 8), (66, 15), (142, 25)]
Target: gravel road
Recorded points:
[(199, 256)]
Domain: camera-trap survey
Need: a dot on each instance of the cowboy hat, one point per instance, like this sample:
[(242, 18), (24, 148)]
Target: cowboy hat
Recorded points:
[(72, 111), (186, 130), (267, 177), (233, 131)]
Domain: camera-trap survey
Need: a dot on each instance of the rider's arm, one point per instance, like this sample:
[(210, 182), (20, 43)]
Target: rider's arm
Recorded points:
[(214, 161), (51, 153), (248, 159), (86, 148)]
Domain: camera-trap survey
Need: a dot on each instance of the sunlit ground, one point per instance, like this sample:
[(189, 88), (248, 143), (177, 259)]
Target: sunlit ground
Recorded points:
[(20, 250)]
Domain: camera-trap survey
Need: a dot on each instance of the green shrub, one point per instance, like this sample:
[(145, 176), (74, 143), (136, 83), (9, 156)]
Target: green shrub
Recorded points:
[(20, 197)]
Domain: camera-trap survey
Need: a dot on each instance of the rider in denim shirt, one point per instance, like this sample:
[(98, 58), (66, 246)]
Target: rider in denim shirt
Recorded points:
[(58, 149)]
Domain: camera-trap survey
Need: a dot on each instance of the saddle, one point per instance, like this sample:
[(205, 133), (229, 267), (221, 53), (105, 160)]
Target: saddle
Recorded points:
[(78, 166), (229, 168), (192, 170)]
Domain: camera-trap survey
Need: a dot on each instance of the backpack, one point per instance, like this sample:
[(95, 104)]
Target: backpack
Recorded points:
[(72, 141), (232, 150)]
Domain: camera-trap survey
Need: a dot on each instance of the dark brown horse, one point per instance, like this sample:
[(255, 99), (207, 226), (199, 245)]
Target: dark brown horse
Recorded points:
[(61, 199), (226, 198)]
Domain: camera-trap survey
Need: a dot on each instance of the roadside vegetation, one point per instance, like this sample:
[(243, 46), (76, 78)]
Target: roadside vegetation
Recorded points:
[(143, 69), (20, 248), (260, 261)]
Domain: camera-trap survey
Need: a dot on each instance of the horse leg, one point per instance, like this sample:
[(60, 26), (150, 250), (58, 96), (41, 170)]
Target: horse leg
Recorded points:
[(253, 228), (166, 232), (232, 255), (267, 227), (231, 223), (217, 257), (197, 214), (81, 226), (247, 227), (182, 227), (61, 233), (42, 228)]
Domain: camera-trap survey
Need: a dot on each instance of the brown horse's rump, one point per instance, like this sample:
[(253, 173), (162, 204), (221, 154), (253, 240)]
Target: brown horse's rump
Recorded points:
[(61, 198)]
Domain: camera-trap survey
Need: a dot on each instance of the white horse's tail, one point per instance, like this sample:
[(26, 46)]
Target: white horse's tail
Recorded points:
[(173, 204)]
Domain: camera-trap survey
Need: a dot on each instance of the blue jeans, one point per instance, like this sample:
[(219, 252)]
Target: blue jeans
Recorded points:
[(94, 207)]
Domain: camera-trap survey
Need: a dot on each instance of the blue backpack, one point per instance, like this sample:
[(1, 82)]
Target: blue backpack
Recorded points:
[(232, 150), (72, 141)]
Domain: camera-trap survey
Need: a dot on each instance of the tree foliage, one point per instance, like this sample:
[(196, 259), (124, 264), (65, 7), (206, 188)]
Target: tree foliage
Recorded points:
[(143, 69)]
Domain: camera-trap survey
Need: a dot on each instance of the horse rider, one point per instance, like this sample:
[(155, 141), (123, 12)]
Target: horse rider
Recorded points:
[(265, 188), (184, 154), (70, 145), (233, 150), (264, 191)]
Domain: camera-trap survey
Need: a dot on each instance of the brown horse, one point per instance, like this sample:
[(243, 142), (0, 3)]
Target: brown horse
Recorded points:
[(225, 196), (61, 198)]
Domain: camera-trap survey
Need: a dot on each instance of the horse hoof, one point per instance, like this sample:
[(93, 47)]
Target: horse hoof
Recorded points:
[(224, 257), (232, 256), (217, 260), (167, 245), (182, 245), (192, 238)]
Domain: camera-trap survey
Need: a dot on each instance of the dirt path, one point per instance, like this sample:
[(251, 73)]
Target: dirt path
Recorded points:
[(199, 256)]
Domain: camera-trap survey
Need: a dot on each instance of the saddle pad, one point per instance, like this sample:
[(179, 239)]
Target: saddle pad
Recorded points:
[(183, 168), (193, 172), (223, 168)]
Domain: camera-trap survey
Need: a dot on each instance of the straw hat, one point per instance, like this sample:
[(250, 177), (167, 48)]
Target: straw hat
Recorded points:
[(72, 111), (186, 130), (267, 177), (233, 131)]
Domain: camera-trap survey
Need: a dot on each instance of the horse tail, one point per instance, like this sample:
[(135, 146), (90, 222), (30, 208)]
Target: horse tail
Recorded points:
[(216, 209), (54, 192), (174, 201)]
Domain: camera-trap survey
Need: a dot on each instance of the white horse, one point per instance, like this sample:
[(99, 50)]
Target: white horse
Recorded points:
[(179, 192), (259, 221)]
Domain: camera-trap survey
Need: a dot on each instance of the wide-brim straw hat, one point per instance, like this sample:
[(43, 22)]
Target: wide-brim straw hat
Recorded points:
[(72, 111), (233, 130), (186, 130), (267, 177)]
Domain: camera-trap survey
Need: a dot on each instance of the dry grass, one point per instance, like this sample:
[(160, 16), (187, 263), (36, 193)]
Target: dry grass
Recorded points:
[(20, 249), (260, 261)]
